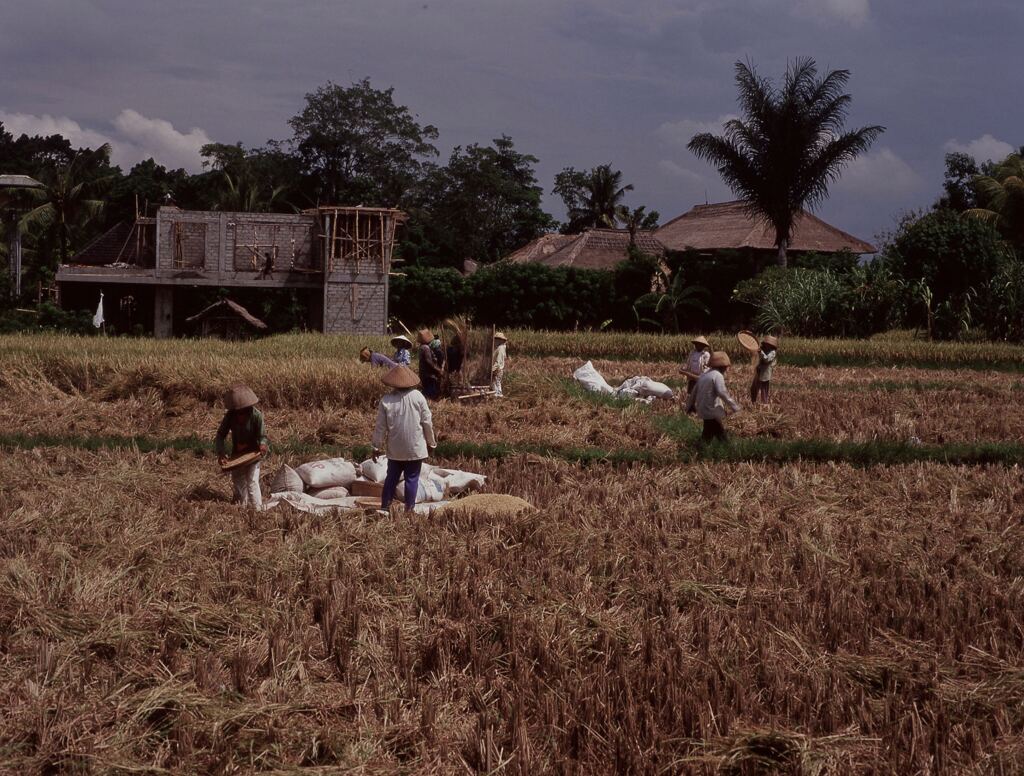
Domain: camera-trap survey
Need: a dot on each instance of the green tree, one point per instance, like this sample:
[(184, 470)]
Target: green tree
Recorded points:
[(358, 146), (636, 219), (592, 198), (485, 203), (1001, 198), (958, 192), (69, 197), (789, 146)]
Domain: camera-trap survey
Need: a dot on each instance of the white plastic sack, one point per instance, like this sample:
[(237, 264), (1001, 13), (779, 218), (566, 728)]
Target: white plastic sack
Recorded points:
[(328, 474), (591, 379), (456, 482), (329, 493), (649, 387), (429, 489), (375, 471), (287, 480)]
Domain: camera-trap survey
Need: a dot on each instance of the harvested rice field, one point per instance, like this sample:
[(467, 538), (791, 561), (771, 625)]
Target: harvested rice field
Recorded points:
[(840, 591)]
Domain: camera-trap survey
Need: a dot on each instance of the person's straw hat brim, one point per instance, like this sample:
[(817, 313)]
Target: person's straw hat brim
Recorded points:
[(770, 340), (239, 396), (401, 341), (500, 336), (719, 359), (426, 336), (701, 341), (400, 377)]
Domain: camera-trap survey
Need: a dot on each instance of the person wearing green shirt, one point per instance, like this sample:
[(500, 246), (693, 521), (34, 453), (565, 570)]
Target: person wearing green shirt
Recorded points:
[(248, 435)]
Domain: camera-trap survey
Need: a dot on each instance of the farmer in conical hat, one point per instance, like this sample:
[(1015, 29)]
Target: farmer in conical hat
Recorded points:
[(499, 363), (248, 435), (369, 356), (405, 431), (760, 388), (431, 369), (697, 362), (710, 398), (402, 346)]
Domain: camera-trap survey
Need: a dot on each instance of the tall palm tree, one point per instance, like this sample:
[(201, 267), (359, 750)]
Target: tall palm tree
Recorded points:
[(66, 198), (591, 198), (242, 194), (789, 145), (636, 219), (1002, 194)]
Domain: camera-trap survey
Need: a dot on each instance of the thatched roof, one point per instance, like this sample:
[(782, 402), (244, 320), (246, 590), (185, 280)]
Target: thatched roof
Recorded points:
[(19, 182), (226, 305), (593, 249), (729, 225)]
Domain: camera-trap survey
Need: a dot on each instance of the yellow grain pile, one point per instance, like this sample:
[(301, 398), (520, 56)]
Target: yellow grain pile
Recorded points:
[(490, 504)]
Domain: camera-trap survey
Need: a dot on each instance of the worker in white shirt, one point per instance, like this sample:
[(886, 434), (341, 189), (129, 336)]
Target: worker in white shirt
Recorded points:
[(710, 398), (405, 430), (760, 388), (499, 362), (697, 362)]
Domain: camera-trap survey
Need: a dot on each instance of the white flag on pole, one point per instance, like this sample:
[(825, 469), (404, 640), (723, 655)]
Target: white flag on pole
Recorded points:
[(97, 319)]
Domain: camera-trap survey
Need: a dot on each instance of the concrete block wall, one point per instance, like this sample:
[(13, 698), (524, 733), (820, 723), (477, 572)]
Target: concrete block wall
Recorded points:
[(356, 305)]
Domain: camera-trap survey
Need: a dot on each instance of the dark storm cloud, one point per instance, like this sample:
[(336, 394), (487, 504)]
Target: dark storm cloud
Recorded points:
[(573, 82)]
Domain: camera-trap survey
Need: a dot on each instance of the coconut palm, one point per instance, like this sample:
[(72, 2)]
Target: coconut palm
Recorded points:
[(636, 219), (591, 198), (66, 198), (789, 145), (1002, 194)]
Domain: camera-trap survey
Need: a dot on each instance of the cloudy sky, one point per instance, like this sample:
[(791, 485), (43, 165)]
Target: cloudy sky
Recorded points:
[(574, 82)]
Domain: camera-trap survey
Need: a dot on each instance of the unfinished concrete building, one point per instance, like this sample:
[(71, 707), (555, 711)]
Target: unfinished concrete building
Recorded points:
[(337, 258)]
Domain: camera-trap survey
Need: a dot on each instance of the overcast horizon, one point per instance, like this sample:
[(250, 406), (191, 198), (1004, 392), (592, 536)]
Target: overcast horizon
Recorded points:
[(574, 83)]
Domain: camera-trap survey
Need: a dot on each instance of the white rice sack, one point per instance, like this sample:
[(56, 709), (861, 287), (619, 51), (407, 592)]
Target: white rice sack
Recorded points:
[(591, 379), (428, 490), (287, 480), (456, 482), (328, 474), (375, 471), (329, 493), (649, 387)]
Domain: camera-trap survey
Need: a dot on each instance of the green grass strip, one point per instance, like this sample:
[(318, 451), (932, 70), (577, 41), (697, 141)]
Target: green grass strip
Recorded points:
[(445, 449), (874, 453)]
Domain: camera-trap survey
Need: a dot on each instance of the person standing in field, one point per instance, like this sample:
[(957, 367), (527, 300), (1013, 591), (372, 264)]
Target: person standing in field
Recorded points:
[(697, 362), (248, 435), (405, 431), (431, 371), (760, 388), (499, 362), (402, 346), (710, 399)]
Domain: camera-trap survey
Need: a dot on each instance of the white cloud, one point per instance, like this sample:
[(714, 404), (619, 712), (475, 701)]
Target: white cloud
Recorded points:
[(853, 12), (984, 149), (879, 173), (676, 170), (135, 137), (679, 133)]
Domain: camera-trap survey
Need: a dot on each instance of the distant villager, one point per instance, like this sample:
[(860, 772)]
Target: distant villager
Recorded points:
[(499, 363), (710, 398), (760, 388), (697, 362), (376, 359), (248, 435), (402, 346), (431, 370)]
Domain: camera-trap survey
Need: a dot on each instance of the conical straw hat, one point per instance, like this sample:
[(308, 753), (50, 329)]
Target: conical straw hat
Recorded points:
[(239, 396), (401, 341), (719, 359), (425, 335), (701, 341), (770, 340), (400, 376), (500, 335)]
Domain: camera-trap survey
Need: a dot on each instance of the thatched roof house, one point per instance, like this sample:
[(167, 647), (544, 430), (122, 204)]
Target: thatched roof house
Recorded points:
[(227, 320), (600, 249), (730, 226)]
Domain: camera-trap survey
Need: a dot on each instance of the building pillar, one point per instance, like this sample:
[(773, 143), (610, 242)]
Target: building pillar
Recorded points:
[(163, 311)]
